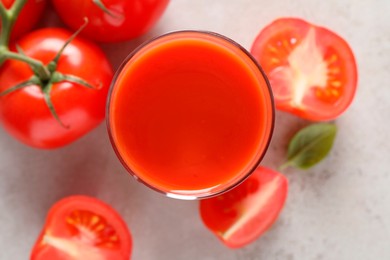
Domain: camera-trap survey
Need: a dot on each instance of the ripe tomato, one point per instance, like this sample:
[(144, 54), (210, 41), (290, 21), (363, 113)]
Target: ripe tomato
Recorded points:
[(24, 113), (126, 19), (312, 70), (80, 227), (28, 17), (241, 215)]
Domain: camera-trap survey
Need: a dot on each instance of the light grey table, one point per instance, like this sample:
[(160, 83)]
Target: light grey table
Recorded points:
[(340, 209)]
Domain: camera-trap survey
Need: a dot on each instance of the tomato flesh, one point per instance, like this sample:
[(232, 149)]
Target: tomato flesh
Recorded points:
[(240, 216), (312, 70), (80, 227), (92, 229)]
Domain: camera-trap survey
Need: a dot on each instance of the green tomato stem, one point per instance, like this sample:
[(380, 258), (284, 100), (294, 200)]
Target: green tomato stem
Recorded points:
[(3, 10), (46, 94), (43, 75), (17, 8), (59, 77), (284, 166), (101, 5), (32, 81), (8, 19), (5, 26), (42, 72), (54, 62)]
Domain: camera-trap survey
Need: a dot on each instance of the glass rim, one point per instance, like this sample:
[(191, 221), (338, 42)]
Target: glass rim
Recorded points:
[(191, 194)]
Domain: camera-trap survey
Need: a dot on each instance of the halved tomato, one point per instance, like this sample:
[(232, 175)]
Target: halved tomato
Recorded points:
[(240, 216), (80, 227), (312, 70)]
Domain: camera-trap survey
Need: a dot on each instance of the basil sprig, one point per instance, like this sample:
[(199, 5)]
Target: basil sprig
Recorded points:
[(310, 145)]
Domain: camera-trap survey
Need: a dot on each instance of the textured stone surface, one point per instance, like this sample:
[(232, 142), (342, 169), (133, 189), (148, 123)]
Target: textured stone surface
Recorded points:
[(340, 209)]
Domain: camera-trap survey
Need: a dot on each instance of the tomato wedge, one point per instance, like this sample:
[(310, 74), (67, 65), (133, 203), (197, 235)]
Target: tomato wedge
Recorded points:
[(240, 216), (312, 70), (80, 227)]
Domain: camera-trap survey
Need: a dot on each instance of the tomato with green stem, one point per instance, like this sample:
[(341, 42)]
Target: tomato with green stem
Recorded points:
[(111, 20), (29, 16), (240, 216), (81, 227), (311, 69), (52, 105)]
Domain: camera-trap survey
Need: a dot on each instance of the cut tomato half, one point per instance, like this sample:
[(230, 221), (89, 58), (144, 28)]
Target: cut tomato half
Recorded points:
[(312, 70), (81, 227), (240, 216)]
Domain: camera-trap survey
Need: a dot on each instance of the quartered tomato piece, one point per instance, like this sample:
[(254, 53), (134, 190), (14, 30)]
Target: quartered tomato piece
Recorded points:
[(240, 216), (81, 227), (312, 70)]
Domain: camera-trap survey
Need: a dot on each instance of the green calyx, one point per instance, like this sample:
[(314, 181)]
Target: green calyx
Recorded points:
[(46, 87), (44, 76)]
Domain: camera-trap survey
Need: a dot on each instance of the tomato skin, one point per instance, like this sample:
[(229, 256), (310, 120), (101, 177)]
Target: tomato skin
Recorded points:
[(131, 18), (24, 113), (240, 216), (28, 17), (57, 226), (314, 108)]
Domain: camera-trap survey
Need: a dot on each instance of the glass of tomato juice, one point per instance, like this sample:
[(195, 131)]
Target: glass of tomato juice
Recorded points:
[(190, 114)]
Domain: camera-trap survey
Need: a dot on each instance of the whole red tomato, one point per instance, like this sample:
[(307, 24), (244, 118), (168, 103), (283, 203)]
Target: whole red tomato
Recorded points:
[(80, 227), (28, 17), (25, 114), (123, 20), (241, 215), (311, 69)]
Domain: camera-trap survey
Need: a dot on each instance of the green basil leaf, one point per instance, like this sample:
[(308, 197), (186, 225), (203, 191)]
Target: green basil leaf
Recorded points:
[(310, 145)]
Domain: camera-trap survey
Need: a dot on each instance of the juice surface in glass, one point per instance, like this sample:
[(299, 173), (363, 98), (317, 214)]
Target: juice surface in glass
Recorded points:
[(190, 114)]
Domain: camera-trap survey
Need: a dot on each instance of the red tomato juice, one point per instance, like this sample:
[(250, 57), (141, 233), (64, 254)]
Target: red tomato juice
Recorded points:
[(190, 114)]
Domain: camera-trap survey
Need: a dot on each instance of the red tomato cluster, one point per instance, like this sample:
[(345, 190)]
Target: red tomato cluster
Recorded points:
[(312, 72), (77, 109)]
